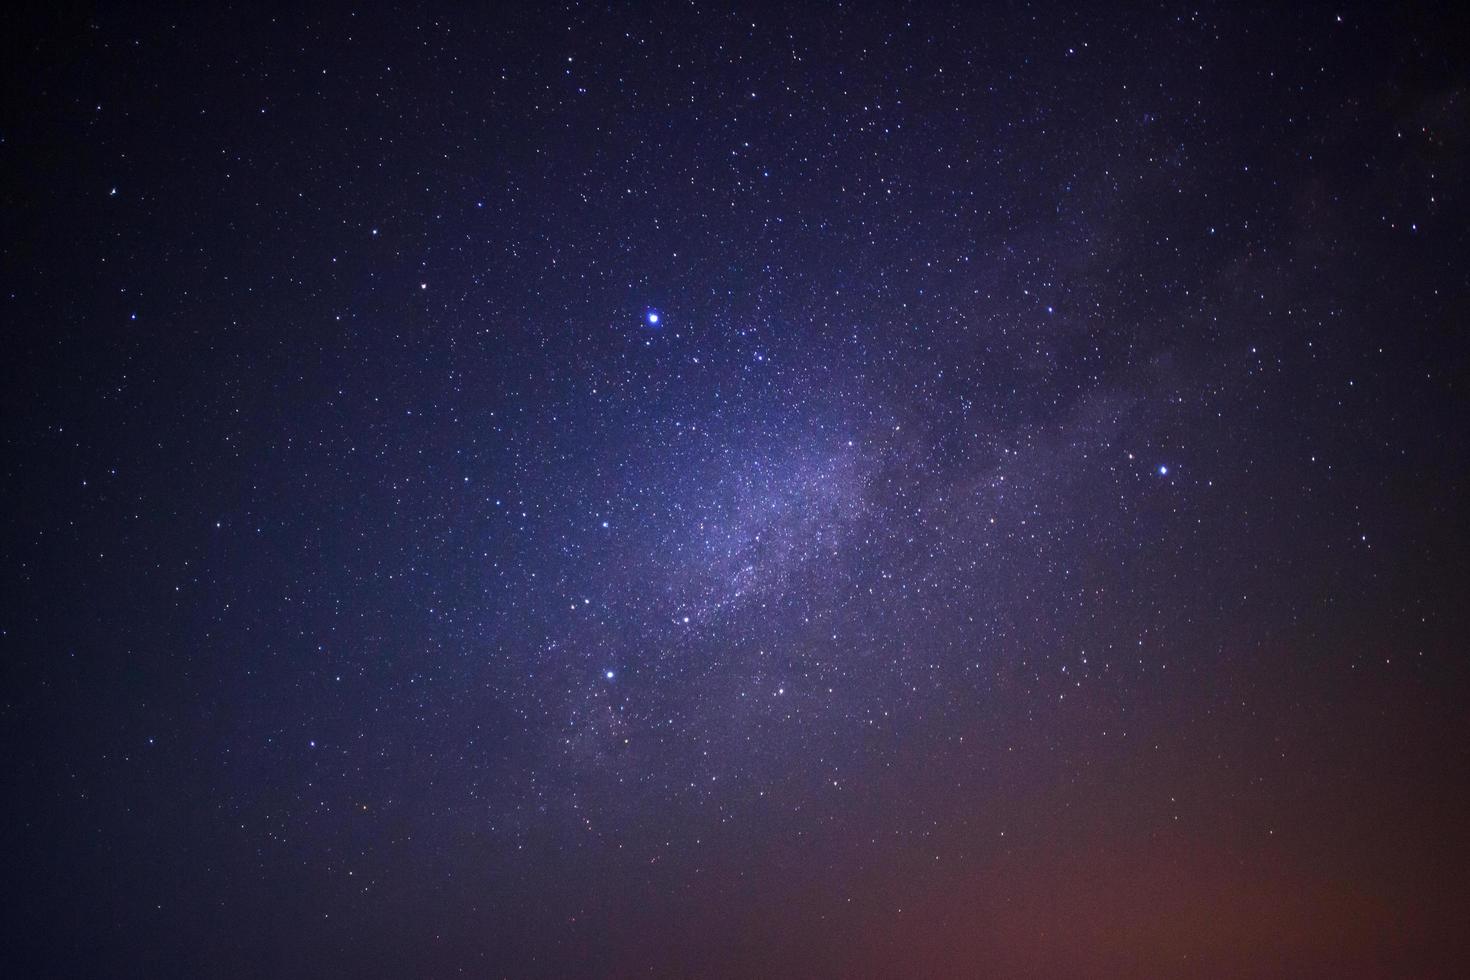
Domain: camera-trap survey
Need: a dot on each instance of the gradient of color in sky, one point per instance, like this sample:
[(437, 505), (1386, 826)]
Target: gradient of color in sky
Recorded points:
[(693, 490)]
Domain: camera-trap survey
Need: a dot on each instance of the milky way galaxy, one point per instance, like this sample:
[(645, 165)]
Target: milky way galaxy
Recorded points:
[(757, 491)]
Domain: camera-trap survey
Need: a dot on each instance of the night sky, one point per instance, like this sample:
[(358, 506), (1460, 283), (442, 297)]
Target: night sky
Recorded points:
[(692, 490)]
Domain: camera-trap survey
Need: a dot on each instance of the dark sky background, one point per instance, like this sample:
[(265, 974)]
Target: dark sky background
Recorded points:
[(691, 490)]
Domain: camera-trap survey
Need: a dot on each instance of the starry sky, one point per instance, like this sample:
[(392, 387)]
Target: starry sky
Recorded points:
[(672, 489)]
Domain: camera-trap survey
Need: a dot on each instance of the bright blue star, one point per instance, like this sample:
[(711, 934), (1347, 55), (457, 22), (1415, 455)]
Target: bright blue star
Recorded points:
[(1163, 470), (608, 674), (653, 318)]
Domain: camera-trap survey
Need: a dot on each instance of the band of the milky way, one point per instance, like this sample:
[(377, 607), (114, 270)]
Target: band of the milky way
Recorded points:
[(679, 489)]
